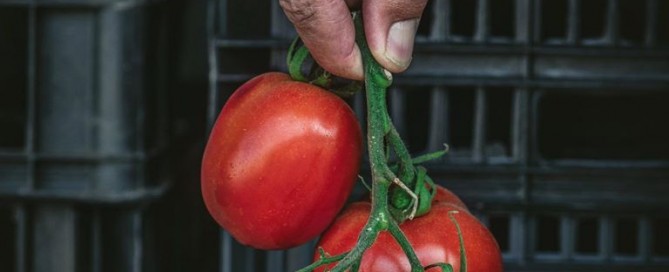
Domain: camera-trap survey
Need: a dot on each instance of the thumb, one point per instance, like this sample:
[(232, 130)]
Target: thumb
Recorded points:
[(390, 26)]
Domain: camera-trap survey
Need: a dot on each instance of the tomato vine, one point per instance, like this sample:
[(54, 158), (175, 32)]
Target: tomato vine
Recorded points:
[(246, 170), (400, 190)]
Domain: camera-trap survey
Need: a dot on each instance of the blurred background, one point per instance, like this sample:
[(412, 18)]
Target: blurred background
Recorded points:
[(555, 111)]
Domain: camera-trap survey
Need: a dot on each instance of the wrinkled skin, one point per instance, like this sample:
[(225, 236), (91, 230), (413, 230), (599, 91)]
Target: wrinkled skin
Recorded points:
[(280, 162), (433, 236)]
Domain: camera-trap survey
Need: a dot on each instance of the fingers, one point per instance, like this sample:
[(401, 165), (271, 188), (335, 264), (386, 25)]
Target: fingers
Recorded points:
[(326, 28), (390, 26)]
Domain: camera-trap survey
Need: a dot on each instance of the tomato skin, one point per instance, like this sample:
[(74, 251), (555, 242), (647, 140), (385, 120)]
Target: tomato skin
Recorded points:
[(280, 162), (445, 195), (433, 236)]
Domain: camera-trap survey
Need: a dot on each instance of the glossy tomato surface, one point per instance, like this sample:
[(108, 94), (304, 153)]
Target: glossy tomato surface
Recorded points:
[(445, 195), (280, 162), (433, 236)]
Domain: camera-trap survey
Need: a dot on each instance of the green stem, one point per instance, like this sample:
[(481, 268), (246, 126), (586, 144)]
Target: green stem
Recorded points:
[(377, 222), (424, 158), (406, 247), (400, 199), (406, 168), (376, 83), (356, 266), (463, 253), (379, 127), (322, 261), (295, 57), (430, 156), (444, 267)]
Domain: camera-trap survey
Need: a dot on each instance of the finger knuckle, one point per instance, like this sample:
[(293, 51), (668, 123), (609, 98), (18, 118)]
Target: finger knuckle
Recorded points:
[(299, 11)]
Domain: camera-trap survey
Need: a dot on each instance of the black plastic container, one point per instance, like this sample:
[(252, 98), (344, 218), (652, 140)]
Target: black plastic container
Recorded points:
[(555, 112), (84, 123)]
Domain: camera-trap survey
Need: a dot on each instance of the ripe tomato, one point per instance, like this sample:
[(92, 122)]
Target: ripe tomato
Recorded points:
[(445, 195), (280, 162), (433, 236)]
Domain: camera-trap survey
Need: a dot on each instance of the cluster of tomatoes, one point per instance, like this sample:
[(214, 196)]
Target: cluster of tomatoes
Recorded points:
[(283, 158)]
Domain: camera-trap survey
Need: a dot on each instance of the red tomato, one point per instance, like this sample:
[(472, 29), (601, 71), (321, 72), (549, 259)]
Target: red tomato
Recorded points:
[(445, 195), (281, 161), (433, 236)]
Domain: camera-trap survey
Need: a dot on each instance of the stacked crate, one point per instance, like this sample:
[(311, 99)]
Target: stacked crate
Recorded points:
[(84, 133), (554, 111)]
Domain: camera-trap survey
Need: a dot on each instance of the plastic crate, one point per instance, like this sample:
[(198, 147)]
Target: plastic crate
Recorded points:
[(85, 128), (554, 111)]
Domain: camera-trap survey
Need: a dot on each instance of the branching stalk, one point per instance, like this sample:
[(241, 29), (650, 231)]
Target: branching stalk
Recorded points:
[(406, 247), (407, 187), (322, 261), (377, 80)]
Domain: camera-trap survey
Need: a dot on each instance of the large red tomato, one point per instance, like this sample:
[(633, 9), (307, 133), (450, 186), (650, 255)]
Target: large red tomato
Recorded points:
[(433, 236), (281, 161)]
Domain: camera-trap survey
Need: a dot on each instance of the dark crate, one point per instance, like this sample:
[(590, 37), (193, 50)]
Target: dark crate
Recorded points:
[(84, 139), (554, 111)]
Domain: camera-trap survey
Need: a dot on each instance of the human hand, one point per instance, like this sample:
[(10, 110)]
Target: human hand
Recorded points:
[(326, 28)]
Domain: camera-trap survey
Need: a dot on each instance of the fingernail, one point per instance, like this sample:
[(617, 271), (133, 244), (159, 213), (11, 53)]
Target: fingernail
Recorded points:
[(399, 47)]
